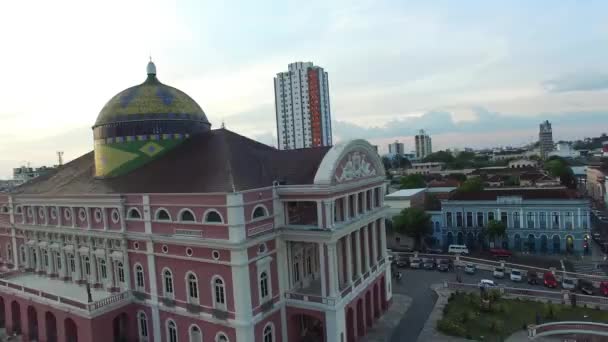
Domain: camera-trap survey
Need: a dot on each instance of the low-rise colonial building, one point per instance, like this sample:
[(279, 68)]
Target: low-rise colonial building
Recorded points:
[(537, 220), (184, 233)]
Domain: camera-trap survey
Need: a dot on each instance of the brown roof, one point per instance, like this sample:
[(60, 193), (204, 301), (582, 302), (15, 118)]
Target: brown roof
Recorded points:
[(214, 161), (491, 195), (448, 182)]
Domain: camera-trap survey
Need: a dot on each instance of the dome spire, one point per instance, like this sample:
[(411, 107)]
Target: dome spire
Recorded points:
[(151, 68)]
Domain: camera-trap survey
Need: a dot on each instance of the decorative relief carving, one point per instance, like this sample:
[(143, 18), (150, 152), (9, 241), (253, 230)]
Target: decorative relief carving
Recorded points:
[(354, 168)]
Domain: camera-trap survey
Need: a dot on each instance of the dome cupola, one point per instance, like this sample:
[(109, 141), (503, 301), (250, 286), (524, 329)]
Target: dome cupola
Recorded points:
[(143, 122)]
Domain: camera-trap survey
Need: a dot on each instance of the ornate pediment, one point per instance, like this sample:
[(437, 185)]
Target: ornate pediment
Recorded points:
[(354, 166)]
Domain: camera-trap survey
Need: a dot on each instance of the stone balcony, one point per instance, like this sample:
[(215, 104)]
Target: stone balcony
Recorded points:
[(52, 291)]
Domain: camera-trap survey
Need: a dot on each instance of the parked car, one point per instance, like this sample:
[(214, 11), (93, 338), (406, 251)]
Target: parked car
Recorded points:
[(569, 283), (434, 250), (415, 263), (487, 283), (500, 253), (428, 263), (470, 268), (533, 278), (443, 265), (586, 287), (604, 288), (401, 261), (499, 272), (458, 249), (516, 275), (549, 280)]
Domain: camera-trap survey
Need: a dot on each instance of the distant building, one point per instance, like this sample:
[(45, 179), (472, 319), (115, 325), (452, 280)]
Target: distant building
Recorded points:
[(396, 148), (423, 145), (552, 220), (302, 107), (522, 163), (564, 150), (375, 147), (545, 139), (25, 173), (425, 168)]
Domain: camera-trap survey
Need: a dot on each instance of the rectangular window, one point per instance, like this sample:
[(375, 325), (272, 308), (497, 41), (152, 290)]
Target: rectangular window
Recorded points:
[(448, 219), (458, 219), (530, 220), (490, 216), (584, 220), (516, 221), (555, 220), (569, 223), (542, 220), (504, 218), (479, 219), (469, 219)]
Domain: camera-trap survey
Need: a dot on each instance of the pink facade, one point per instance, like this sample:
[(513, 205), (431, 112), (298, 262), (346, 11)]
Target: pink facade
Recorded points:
[(278, 263)]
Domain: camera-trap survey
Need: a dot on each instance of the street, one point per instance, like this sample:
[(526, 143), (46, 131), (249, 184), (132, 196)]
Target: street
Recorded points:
[(416, 284)]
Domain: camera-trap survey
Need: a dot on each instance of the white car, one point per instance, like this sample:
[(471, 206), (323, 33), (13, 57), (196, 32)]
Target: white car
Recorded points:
[(569, 283), (499, 272), (487, 283), (415, 263), (470, 268), (516, 275)]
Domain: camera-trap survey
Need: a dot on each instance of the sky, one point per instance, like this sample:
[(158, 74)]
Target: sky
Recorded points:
[(471, 73)]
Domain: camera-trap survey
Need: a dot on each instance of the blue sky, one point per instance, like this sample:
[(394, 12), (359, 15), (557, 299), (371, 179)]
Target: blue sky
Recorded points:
[(472, 73)]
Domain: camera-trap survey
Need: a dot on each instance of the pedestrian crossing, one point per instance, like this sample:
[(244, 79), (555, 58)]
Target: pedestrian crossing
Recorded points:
[(589, 268)]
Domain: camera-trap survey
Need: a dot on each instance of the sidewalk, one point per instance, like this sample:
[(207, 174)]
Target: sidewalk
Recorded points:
[(430, 332), (381, 331)]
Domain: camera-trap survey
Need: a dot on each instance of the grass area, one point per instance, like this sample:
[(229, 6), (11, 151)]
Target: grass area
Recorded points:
[(466, 316)]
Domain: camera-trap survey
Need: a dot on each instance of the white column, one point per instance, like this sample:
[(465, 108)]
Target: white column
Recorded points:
[(38, 258), (104, 218), (78, 261), (382, 238), (356, 205), (320, 214), (358, 252), (241, 294), (51, 256), (28, 260), (346, 208), (322, 268), (366, 247), (59, 216), (93, 261), (329, 221), (340, 256), (335, 322), (112, 278), (63, 272), (364, 201), (375, 225), (349, 260), (332, 263), (88, 216)]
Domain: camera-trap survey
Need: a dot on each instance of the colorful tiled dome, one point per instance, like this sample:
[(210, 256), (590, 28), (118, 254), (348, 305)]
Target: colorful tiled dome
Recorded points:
[(143, 122)]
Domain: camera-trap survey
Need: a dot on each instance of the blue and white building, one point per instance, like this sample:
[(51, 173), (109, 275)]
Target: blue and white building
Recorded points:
[(554, 220)]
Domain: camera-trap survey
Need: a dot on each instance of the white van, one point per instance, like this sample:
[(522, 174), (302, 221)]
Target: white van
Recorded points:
[(458, 249)]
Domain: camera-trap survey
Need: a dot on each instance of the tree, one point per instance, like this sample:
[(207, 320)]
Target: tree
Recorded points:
[(401, 162), (496, 229), (413, 222), (558, 167), (386, 161), (471, 185), (414, 181)]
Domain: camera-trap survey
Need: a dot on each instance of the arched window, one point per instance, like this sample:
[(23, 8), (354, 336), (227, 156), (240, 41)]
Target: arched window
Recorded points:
[(221, 337), (121, 272), (72, 263), (45, 257), (264, 284), (143, 326), (268, 333), (192, 284), (195, 334), (134, 214), (213, 217), (22, 250), (103, 269), (139, 278), (219, 293), (186, 216), (9, 253), (87, 266), (171, 331), (168, 278), (259, 211), (162, 215)]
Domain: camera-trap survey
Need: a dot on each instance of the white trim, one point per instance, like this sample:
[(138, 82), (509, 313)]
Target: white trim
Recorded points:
[(266, 212), (272, 332), (207, 213), (190, 299), (95, 215), (219, 334), (134, 209), (143, 273), (112, 216), (181, 212), (190, 332), (164, 284), (216, 304), (142, 338), (158, 211), (167, 322)]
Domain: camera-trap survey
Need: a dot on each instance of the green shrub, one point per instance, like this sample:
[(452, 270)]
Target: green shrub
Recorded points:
[(549, 310), (451, 328), (445, 310), (494, 295), (467, 316), (451, 297), (497, 326)]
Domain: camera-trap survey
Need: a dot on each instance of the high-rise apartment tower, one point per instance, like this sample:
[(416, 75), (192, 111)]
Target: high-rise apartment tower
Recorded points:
[(396, 148), (302, 107), (545, 138), (423, 145)]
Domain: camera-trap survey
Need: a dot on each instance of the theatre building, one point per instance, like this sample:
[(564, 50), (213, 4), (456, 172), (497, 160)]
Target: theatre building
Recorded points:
[(184, 233)]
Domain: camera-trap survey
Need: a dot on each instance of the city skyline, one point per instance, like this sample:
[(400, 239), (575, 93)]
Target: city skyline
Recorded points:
[(455, 70)]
